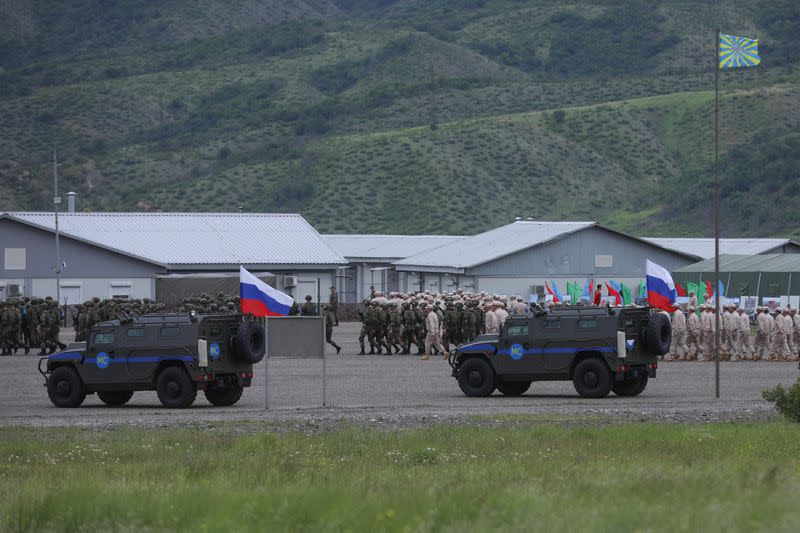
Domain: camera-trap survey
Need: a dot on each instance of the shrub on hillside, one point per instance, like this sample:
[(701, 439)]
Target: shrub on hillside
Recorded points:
[(786, 402)]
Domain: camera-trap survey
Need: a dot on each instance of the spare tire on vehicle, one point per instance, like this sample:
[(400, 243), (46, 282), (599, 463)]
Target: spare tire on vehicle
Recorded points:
[(658, 335), (250, 342)]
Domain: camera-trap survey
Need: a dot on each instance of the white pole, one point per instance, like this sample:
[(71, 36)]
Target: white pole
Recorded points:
[(324, 366), (56, 202), (266, 366)]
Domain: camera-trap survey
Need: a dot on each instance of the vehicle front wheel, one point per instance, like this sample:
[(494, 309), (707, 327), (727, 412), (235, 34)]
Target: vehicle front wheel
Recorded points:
[(224, 396), (115, 397), (65, 387), (174, 388), (514, 388), (592, 379), (630, 387), (476, 377)]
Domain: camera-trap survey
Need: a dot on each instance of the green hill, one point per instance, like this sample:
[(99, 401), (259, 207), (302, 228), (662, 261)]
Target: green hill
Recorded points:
[(443, 116)]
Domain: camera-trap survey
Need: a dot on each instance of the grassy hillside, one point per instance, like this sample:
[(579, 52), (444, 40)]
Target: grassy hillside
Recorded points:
[(403, 116)]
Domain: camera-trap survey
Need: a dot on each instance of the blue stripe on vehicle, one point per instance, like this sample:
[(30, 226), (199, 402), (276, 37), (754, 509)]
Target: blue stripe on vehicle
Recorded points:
[(477, 348), (564, 350), (73, 356)]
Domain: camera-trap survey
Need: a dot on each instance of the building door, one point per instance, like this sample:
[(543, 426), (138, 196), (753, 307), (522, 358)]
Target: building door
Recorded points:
[(306, 287), (71, 293)]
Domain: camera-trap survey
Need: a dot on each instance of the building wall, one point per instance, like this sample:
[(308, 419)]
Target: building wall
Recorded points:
[(577, 255), (90, 270)]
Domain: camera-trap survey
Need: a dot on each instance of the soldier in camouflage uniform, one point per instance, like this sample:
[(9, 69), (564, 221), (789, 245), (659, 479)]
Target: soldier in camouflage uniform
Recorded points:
[(365, 330), (409, 328), (80, 324), (451, 326), (308, 308), (329, 319), (395, 325)]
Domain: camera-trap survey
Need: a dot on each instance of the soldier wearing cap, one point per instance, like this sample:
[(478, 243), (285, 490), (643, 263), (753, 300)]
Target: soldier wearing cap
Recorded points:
[(308, 308), (432, 335), (761, 348), (693, 331)]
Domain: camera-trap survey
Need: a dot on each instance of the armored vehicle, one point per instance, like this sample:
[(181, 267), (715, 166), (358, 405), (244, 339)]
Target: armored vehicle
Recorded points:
[(174, 354), (599, 349)]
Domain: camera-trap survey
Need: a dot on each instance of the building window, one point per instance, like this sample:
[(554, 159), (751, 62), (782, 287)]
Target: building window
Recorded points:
[(120, 289), (15, 259), (603, 261)]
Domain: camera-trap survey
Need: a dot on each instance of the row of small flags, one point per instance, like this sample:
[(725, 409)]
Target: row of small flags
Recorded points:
[(577, 292)]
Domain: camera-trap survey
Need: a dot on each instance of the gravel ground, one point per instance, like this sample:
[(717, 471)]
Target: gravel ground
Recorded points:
[(401, 391)]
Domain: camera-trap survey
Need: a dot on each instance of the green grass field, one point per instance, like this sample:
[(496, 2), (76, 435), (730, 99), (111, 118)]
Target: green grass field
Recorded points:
[(527, 474)]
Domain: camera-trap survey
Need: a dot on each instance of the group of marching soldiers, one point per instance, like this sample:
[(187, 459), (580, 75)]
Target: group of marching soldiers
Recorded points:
[(777, 337), (29, 323), (430, 322)]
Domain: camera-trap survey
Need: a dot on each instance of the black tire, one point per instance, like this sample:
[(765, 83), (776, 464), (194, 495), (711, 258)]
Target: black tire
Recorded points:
[(514, 388), (592, 378), (224, 396), (250, 342), (631, 387), (65, 387), (658, 335), (115, 397), (174, 388), (476, 377)]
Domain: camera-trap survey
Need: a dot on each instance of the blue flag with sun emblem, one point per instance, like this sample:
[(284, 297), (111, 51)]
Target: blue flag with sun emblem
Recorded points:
[(735, 52)]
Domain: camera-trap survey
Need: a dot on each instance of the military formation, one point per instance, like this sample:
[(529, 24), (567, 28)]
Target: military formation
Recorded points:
[(777, 334), (29, 323), (430, 322)]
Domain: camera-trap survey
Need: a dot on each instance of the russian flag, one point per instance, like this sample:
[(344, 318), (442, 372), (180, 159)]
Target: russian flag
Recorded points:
[(661, 290), (259, 298)]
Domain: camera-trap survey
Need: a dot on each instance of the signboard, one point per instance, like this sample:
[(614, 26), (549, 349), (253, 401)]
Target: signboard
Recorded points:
[(295, 337), (772, 302), (750, 304)]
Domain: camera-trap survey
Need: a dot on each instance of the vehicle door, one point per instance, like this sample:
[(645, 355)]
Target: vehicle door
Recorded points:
[(138, 347), (555, 344), (100, 363), (514, 349)]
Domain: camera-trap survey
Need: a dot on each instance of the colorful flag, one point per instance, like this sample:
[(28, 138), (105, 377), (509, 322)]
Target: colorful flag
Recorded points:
[(643, 289), (626, 294), (612, 291), (693, 287), (557, 294), (680, 289), (259, 298), (551, 293), (709, 289), (661, 291), (735, 52), (586, 294)]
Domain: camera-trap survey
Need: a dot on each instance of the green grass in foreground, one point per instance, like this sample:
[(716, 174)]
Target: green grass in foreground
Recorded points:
[(619, 478)]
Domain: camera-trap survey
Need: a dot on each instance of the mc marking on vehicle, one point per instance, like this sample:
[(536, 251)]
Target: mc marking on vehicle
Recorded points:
[(213, 350), (517, 351), (103, 360)]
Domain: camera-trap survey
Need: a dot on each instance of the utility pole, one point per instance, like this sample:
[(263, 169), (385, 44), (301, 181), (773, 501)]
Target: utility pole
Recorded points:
[(716, 217), (56, 202)]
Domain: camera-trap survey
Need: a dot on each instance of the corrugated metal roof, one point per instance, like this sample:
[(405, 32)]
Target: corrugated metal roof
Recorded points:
[(748, 263), (196, 238), (702, 247), (493, 244), (386, 248)]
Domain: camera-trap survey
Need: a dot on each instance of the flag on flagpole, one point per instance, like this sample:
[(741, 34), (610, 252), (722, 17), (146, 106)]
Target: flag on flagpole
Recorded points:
[(555, 291), (586, 294), (627, 298), (735, 52), (680, 289), (259, 298), (661, 291), (612, 291), (551, 293)]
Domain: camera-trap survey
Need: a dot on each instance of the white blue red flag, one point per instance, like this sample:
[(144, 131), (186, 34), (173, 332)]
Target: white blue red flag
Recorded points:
[(661, 290), (260, 299)]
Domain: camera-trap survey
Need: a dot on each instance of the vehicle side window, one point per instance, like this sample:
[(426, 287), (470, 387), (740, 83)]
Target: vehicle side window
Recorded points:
[(517, 331), (551, 323), (104, 338), (629, 323), (135, 332), (169, 331), (587, 323)]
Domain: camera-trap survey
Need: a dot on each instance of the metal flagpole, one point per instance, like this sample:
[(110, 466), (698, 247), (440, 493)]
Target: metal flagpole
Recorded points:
[(324, 366), (266, 365), (56, 202), (716, 211)]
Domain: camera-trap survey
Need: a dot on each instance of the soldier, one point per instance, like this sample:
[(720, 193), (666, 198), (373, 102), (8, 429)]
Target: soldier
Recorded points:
[(409, 327), (491, 320), (420, 327), (451, 332), (795, 332), (379, 327), (678, 349), (692, 299), (519, 308), (692, 334), (308, 308), (5, 329), (326, 311), (761, 349), (790, 313), (432, 336), (365, 329), (744, 350), (781, 339), (470, 319), (80, 323), (395, 325), (27, 335), (333, 305), (501, 314)]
